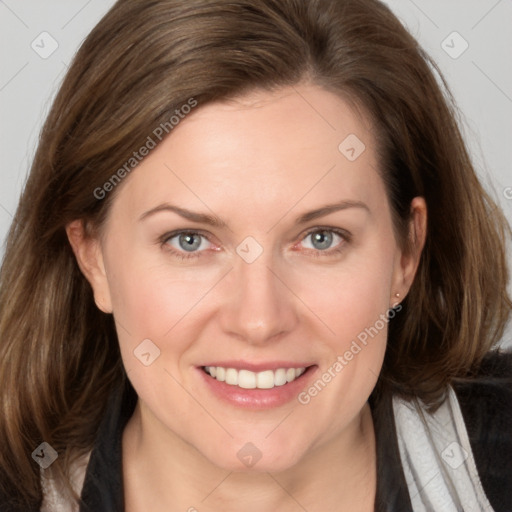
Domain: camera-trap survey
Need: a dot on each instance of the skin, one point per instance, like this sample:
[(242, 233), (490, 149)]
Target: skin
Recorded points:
[(258, 163)]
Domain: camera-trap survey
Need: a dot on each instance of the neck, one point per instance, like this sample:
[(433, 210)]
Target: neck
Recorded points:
[(337, 475)]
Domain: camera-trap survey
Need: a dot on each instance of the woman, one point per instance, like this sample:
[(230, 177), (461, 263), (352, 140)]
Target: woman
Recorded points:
[(253, 268)]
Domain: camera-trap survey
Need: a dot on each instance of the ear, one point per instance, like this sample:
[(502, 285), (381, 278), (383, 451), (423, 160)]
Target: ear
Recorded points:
[(88, 253), (409, 257)]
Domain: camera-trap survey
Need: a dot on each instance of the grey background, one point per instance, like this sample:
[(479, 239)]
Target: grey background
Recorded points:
[(480, 78)]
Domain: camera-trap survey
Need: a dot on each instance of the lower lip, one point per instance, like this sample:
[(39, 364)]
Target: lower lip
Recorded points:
[(257, 398)]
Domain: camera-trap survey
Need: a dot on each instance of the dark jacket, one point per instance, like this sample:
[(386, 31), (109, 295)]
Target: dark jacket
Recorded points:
[(486, 404)]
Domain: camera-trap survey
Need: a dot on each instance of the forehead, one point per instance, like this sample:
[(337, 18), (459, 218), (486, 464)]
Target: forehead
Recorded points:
[(264, 150)]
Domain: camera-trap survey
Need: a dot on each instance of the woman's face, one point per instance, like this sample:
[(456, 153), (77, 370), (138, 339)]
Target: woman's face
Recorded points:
[(288, 261)]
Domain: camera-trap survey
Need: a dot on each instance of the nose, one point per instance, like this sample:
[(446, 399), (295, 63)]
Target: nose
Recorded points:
[(259, 307)]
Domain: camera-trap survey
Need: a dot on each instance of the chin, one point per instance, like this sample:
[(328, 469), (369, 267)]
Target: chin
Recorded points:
[(255, 456)]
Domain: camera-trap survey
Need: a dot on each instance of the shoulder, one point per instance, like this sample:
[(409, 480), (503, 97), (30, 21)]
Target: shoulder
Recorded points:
[(485, 395), (486, 403)]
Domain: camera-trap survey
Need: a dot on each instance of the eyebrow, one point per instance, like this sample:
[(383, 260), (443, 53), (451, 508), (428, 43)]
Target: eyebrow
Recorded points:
[(212, 220)]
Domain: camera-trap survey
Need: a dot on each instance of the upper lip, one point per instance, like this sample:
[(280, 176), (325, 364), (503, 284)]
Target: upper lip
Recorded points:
[(258, 367)]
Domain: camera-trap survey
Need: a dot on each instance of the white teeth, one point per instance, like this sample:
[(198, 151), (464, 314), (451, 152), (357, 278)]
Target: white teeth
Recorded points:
[(221, 373), (232, 377), (265, 380), (280, 377), (246, 379), (290, 374)]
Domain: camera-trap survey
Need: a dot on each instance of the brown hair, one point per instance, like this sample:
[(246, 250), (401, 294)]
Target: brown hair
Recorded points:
[(59, 353)]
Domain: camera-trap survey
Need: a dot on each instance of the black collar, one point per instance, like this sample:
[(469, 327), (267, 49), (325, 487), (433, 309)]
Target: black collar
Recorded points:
[(102, 490), (103, 485)]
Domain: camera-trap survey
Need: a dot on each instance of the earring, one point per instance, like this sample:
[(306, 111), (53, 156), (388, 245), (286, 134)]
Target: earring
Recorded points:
[(397, 302)]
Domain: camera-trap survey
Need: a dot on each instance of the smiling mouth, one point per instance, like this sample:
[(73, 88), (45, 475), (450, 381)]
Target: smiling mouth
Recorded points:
[(246, 379)]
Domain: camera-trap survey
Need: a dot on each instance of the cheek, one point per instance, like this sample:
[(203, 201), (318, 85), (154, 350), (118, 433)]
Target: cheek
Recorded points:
[(153, 301), (351, 296), (353, 303)]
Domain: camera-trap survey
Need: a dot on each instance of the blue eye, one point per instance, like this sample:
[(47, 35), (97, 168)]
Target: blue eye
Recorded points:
[(323, 242), (323, 239), (184, 242), (189, 241)]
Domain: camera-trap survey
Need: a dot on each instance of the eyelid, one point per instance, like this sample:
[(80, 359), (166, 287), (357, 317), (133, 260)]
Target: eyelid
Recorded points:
[(343, 233), (171, 234), (164, 239), (346, 235)]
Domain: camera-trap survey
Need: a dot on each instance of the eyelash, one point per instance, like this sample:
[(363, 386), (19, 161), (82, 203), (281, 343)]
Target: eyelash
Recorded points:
[(345, 235)]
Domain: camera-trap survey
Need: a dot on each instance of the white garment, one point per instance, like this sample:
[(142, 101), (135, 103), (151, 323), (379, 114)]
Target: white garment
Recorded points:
[(437, 459), (56, 499)]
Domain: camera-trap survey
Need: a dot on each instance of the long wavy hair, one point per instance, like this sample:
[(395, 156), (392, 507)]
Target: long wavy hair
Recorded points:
[(59, 355)]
